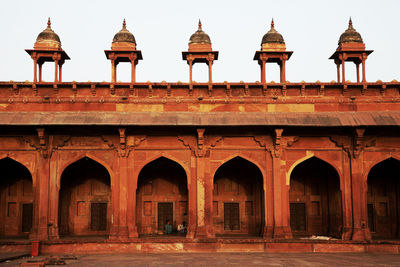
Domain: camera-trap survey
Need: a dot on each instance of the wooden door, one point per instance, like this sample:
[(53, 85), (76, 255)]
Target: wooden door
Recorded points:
[(98, 217), (165, 212), (27, 214), (231, 216), (298, 216)]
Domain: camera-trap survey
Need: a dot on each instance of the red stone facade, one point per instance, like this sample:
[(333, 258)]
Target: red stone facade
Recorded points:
[(269, 160)]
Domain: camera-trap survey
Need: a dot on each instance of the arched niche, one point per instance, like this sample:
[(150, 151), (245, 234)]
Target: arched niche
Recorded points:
[(162, 194), (315, 199), (16, 199), (383, 199), (85, 199), (238, 199)]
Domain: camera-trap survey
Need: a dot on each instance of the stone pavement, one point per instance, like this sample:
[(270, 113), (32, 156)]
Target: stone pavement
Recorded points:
[(228, 259)]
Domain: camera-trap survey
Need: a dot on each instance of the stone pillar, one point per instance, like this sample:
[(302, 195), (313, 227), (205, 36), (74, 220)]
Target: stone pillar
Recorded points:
[(204, 217), (41, 203), (363, 70), (133, 67), (281, 194), (262, 65), (190, 70), (132, 179), (358, 71), (358, 193), (343, 71), (34, 70), (113, 71), (338, 72), (283, 71), (40, 71), (56, 70)]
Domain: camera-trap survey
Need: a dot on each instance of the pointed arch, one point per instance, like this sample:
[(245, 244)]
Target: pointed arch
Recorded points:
[(16, 198), (238, 197), (307, 157), (382, 192), (376, 162), (16, 159), (85, 198), (240, 155), (169, 157), (315, 198), (162, 194), (82, 156)]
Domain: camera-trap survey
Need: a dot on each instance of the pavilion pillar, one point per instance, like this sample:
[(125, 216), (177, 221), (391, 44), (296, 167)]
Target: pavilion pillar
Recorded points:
[(262, 66), (190, 70), (40, 72), (358, 72), (210, 63), (283, 71), (338, 72), (113, 71), (363, 71), (343, 72), (35, 70)]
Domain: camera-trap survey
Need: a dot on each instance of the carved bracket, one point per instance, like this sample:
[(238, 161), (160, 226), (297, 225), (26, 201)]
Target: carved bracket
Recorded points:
[(201, 145), (43, 147), (122, 142)]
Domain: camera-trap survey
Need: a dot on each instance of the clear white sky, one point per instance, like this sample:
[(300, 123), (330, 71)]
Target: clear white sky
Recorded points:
[(311, 28)]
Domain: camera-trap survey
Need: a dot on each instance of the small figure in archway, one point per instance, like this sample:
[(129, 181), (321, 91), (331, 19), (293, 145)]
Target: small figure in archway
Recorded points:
[(182, 228), (168, 227)]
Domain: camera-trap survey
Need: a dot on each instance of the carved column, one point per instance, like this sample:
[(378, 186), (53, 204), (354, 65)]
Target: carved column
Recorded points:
[(281, 192), (360, 230), (41, 203)]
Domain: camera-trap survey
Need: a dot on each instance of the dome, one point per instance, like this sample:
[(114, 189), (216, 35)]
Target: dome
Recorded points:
[(48, 39), (350, 35), (124, 36), (199, 37), (272, 36)]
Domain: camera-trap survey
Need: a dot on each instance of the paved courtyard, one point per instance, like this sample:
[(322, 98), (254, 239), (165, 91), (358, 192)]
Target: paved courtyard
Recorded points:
[(225, 259)]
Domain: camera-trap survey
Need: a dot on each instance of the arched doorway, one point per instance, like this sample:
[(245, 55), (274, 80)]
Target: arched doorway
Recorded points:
[(16, 199), (383, 199), (84, 199), (238, 199), (162, 194), (315, 199)]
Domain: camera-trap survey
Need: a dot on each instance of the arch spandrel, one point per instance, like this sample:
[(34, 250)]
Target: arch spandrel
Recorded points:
[(21, 162)]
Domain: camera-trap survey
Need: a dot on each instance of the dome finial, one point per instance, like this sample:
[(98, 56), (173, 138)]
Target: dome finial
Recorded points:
[(48, 23), (200, 29), (124, 24), (272, 24), (350, 24)]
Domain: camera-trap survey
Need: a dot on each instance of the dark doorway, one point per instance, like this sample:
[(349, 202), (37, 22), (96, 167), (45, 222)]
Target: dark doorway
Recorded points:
[(231, 216), (383, 204), (162, 195), (27, 215), (85, 199), (165, 212), (315, 199), (298, 216), (98, 217), (16, 199), (238, 199)]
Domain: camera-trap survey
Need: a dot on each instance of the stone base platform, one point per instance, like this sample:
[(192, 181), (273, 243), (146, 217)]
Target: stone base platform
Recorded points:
[(182, 245)]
